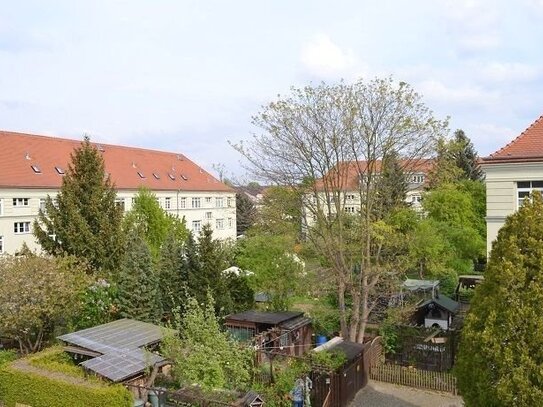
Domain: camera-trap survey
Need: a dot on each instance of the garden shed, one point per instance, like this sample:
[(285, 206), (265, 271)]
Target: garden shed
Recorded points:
[(289, 332), (437, 312)]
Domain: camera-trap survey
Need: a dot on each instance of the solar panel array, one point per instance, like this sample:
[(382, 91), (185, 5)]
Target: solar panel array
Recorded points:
[(120, 366), (120, 344)]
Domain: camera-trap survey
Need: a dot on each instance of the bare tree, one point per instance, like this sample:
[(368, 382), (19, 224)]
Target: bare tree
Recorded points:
[(330, 140)]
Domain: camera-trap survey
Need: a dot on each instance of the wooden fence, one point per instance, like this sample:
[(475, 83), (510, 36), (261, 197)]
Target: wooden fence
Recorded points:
[(407, 376)]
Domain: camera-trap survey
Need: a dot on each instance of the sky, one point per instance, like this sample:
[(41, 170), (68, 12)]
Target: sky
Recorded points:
[(187, 75)]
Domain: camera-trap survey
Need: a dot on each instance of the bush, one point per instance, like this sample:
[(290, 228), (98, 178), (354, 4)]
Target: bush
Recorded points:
[(7, 356), (24, 384)]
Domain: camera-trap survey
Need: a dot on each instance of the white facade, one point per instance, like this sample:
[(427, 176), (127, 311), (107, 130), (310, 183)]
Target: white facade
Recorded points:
[(507, 184), (19, 208)]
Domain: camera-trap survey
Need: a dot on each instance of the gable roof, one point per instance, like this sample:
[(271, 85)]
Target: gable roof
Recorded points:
[(528, 146), (442, 301), (18, 152)]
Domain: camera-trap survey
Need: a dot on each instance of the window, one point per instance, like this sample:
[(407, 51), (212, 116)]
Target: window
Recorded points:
[(1, 244), (417, 179), (219, 202), (196, 226), (208, 199), (42, 204), (349, 209), (172, 177), (21, 227), (416, 199), (196, 202), (59, 170), (229, 204), (167, 203), (20, 201), (183, 203), (141, 174), (36, 169), (1, 207), (230, 223), (184, 177), (349, 197), (524, 188), (119, 203), (219, 224), (209, 215), (156, 175)]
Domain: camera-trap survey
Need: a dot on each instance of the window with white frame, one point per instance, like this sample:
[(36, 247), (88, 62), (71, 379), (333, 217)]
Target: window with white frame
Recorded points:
[(1, 244), (182, 203), (42, 204), (196, 202), (167, 203), (21, 227), (1, 207), (119, 203), (209, 215), (219, 224), (417, 179), (20, 201), (349, 209), (230, 223), (196, 226), (208, 199), (229, 202), (416, 199), (525, 188), (350, 197), (219, 202)]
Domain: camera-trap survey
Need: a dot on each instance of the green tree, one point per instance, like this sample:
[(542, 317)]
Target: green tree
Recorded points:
[(83, 220), (330, 139), (204, 354), (172, 275), (245, 213), (138, 294), (392, 185), (152, 222), (466, 157), (277, 270), (38, 294), (501, 349)]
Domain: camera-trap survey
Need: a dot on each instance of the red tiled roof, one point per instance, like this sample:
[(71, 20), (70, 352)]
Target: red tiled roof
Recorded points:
[(528, 146), (18, 152), (348, 173)]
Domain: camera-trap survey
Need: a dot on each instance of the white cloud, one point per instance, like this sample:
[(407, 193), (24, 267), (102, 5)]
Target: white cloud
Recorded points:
[(439, 92), (323, 58), (507, 72)]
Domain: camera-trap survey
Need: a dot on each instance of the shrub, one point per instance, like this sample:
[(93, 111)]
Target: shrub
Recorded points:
[(32, 383), (7, 356)]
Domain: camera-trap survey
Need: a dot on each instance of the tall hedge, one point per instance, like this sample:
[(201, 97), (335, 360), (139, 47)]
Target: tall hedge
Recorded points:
[(19, 384)]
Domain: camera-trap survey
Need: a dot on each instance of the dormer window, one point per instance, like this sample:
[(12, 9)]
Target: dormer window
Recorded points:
[(157, 176), (36, 169), (59, 170), (184, 177), (172, 177), (141, 174)]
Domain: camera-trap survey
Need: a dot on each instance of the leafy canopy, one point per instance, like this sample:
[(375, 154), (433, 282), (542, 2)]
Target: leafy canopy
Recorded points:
[(501, 351)]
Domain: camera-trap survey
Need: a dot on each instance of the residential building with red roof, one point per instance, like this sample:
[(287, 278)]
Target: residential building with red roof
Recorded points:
[(32, 167), (512, 173)]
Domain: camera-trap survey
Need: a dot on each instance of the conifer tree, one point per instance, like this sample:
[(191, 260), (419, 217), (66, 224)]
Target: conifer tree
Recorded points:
[(83, 220), (501, 350), (172, 275), (392, 187), (138, 295), (245, 213), (466, 156)]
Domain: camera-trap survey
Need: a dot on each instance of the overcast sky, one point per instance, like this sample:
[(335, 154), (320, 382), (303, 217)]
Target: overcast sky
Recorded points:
[(186, 76)]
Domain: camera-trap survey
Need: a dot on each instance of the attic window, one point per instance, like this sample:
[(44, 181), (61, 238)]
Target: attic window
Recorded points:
[(141, 174), (184, 177), (156, 175), (172, 177), (36, 169), (59, 170), (101, 148)]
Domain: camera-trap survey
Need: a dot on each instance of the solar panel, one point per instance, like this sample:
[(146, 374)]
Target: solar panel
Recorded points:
[(114, 336), (120, 366)]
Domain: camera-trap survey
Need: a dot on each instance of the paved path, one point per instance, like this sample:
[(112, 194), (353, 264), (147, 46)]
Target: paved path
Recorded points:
[(380, 394)]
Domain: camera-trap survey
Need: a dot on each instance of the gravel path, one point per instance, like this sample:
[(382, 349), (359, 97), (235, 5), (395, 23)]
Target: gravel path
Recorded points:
[(380, 394)]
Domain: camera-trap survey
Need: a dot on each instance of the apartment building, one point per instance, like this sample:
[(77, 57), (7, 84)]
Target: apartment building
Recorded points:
[(511, 174), (32, 167)]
